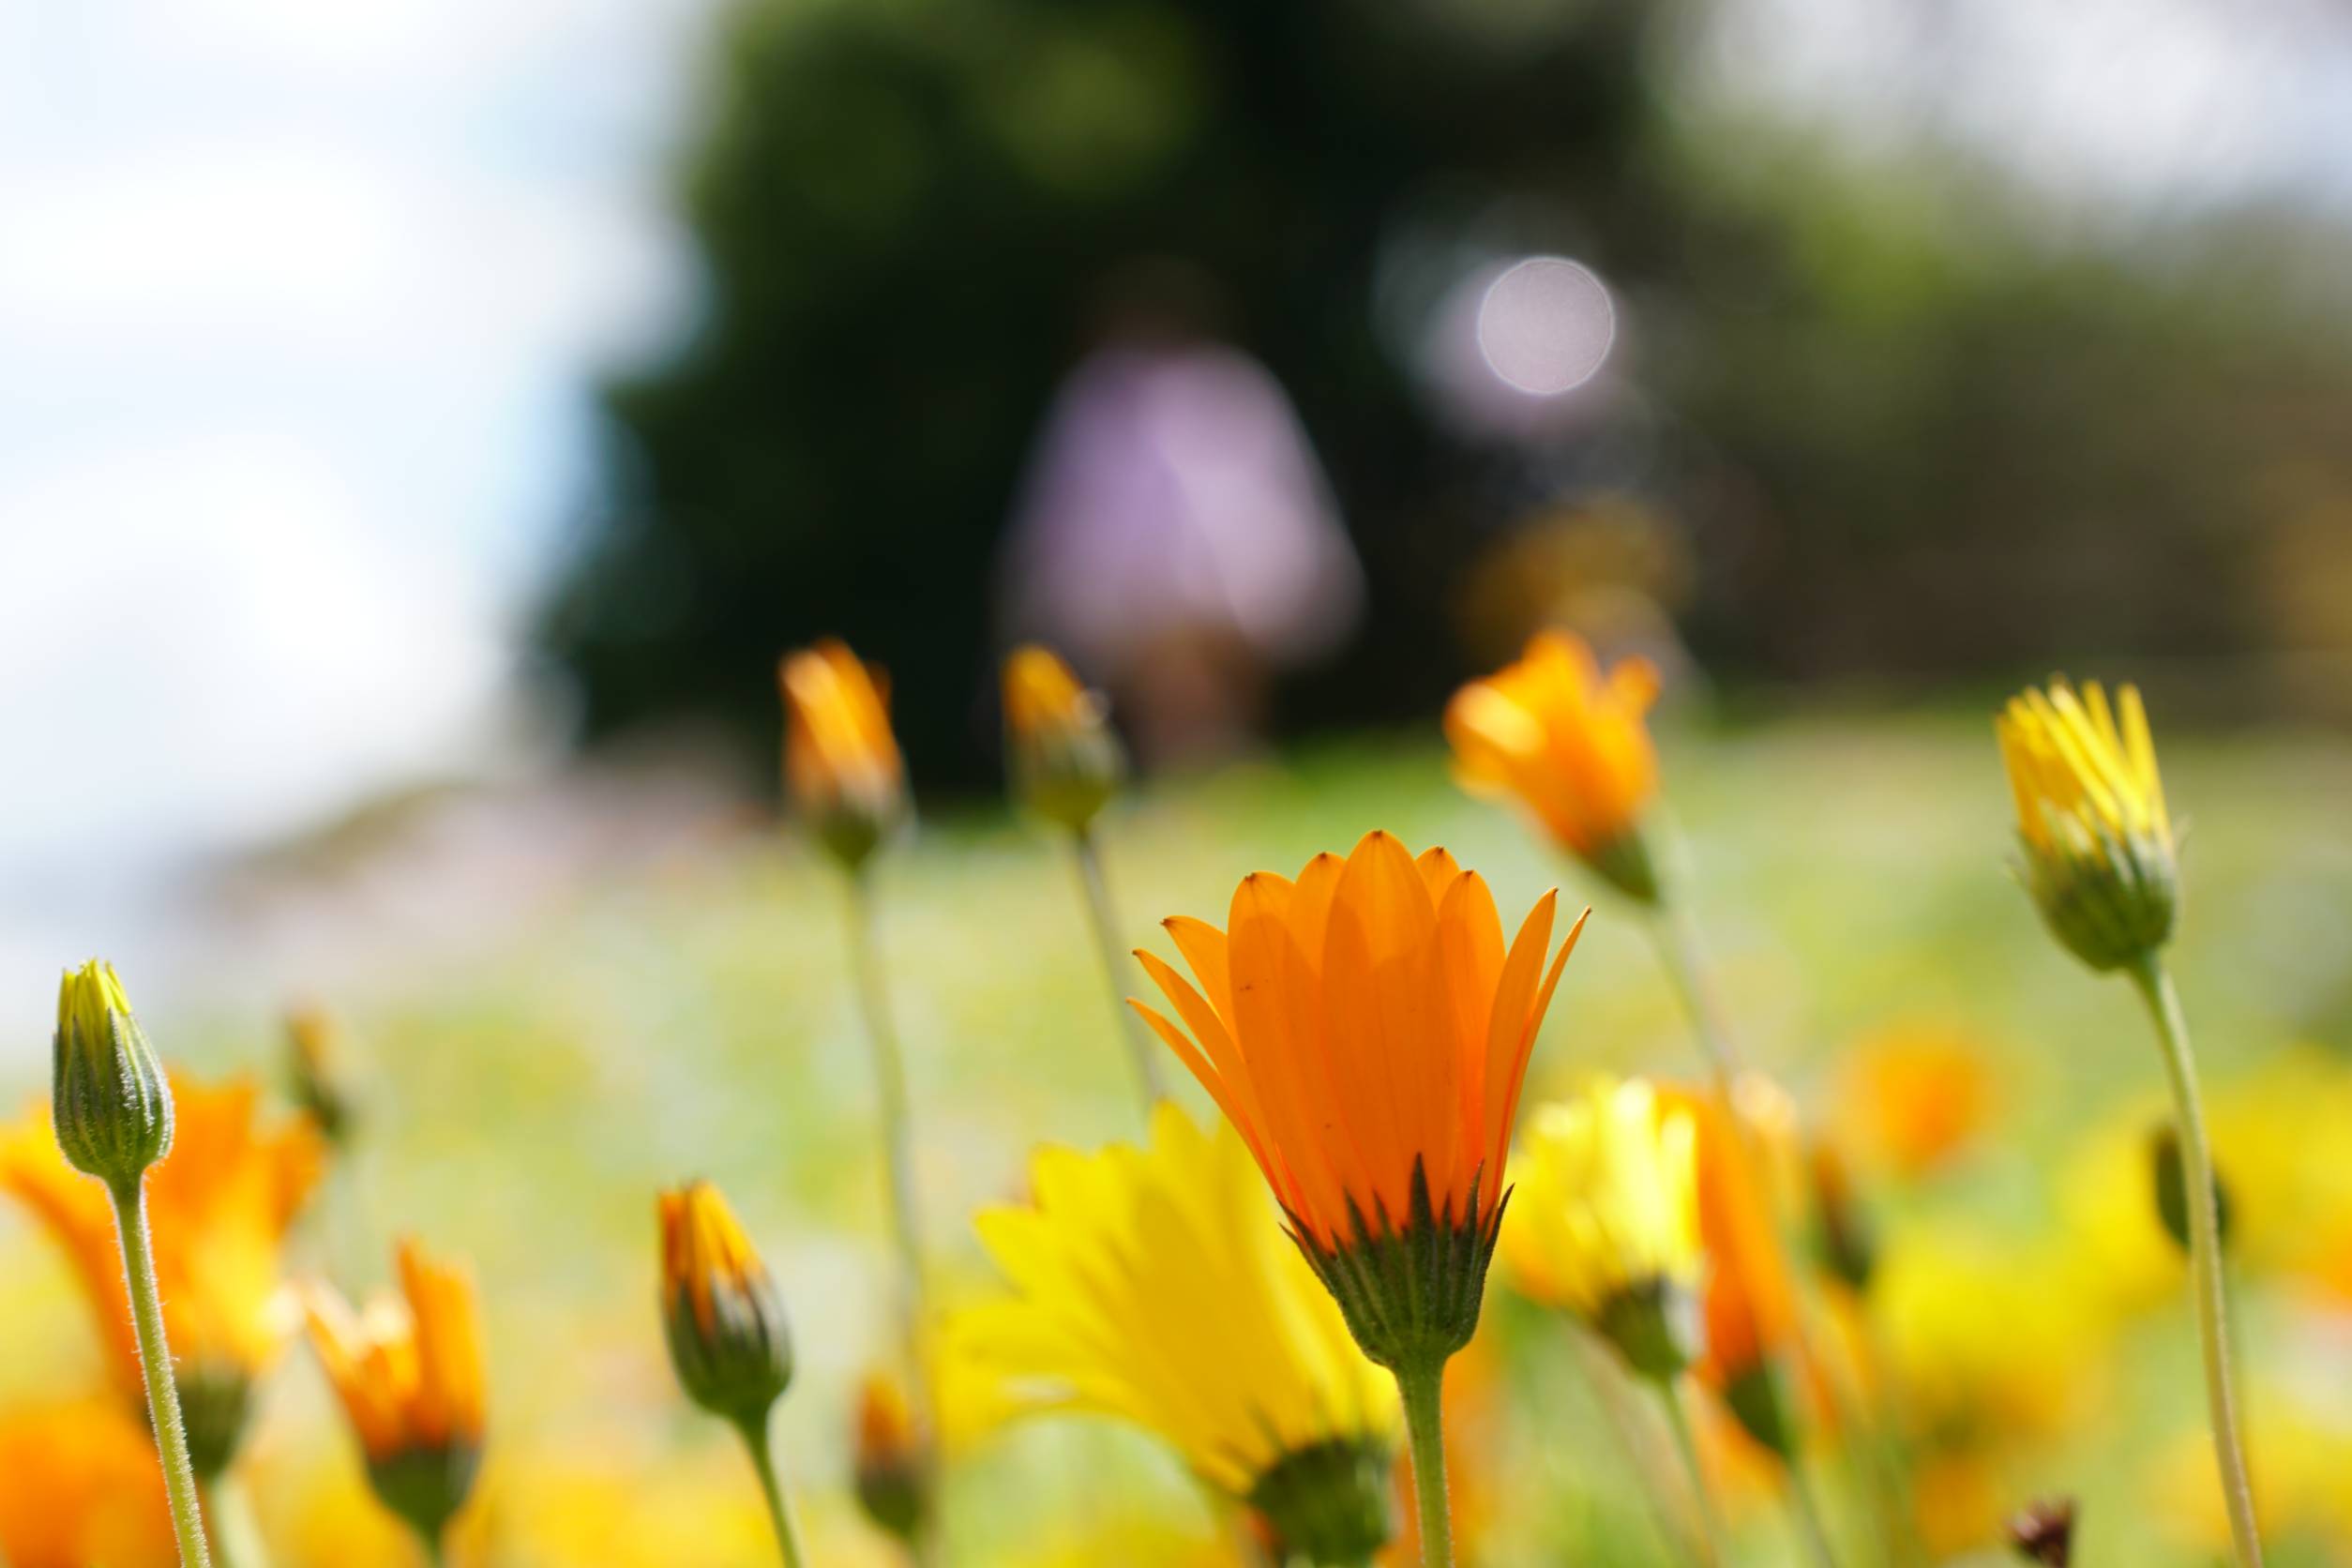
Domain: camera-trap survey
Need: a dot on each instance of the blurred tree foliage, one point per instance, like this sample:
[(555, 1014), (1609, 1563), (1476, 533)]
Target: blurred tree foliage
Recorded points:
[(1895, 444)]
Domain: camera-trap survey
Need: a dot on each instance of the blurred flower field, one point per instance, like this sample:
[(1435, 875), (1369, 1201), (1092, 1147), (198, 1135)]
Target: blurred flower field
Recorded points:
[(519, 1102)]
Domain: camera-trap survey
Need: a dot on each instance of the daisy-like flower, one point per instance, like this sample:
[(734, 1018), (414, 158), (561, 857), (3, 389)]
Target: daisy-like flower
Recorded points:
[(1367, 1031), (1153, 1286), (220, 1205), (1571, 745), (2099, 854), (1064, 759), (1608, 1222), (841, 763), (410, 1373)]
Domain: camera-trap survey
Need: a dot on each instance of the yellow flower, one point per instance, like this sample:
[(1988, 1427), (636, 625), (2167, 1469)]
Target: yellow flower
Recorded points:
[(1991, 1345), (1064, 760), (410, 1373), (724, 1320), (220, 1205), (78, 1485), (1909, 1097), (1152, 1285), (1571, 745), (1367, 1033), (2099, 853), (1607, 1221), (841, 762)]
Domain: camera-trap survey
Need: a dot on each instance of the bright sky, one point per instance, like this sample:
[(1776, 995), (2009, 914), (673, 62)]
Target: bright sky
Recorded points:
[(299, 300)]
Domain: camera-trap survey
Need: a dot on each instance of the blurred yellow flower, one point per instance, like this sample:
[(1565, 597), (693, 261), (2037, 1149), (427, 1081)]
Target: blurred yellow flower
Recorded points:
[(1153, 1285), (1907, 1098), (1571, 745), (1990, 1344), (220, 1205), (1064, 760), (410, 1373), (1367, 1033), (2090, 813), (841, 762), (80, 1487), (2300, 1495), (1605, 1221)]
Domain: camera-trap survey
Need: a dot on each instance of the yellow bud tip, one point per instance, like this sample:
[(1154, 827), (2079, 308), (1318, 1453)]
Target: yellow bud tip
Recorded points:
[(85, 999)]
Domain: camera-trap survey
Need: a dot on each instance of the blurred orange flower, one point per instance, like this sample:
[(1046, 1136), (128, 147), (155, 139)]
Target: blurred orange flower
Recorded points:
[(841, 762), (1064, 760), (1751, 1303), (1571, 745), (219, 1203), (80, 1485), (1909, 1097)]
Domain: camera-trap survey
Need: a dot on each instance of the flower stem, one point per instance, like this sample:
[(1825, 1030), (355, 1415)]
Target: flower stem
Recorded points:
[(236, 1541), (755, 1437), (155, 1360), (1673, 1393), (2156, 988), (1424, 1391), (1104, 916), (1807, 1508), (890, 1081)]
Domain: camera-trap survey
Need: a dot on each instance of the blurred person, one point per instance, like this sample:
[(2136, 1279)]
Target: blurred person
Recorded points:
[(1175, 531)]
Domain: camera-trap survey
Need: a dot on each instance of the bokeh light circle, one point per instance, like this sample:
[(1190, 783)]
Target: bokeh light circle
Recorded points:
[(1545, 326)]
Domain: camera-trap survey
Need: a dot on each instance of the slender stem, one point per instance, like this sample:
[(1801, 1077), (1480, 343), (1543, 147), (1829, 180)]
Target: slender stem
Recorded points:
[(890, 1081), (755, 1437), (1104, 915), (1807, 1508), (236, 1541), (1611, 1384), (1683, 952), (2204, 1254), (1424, 1391), (436, 1547), (1674, 1394), (155, 1360)]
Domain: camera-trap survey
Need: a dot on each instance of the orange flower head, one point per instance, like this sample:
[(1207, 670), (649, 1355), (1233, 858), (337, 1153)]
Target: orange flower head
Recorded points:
[(1367, 1031), (1909, 1098), (1569, 743), (1750, 1301), (1059, 746), (79, 1484), (220, 1204), (410, 1373), (724, 1322), (890, 1456), (841, 763)]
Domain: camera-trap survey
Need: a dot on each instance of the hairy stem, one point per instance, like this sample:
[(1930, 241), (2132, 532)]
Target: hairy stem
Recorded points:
[(1423, 1388), (155, 1360)]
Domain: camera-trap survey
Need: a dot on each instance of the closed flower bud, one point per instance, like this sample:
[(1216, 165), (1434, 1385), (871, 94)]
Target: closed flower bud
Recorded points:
[(1064, 760), (724, 1322), (890, 1457), (2172, 1190), (111, 1105), (2099, 857), (315, 1077), (841, 763)]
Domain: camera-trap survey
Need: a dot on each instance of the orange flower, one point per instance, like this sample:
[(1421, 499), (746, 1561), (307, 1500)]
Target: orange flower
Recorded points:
[(409, 1374), (1367, 1033), (1059, 746), (79, 1484), (841, 762), (220, 1205), (1909, 1097), (1571, 745)]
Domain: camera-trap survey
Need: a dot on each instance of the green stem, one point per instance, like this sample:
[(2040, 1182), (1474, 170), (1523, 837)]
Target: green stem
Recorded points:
[(755, 1437), (1424, 1391), (155, 1360), (1807, 1508), (1103, 917), (1673, 1393), (2156, 988), (237, 1540), (897, 1130), (436, 1549)]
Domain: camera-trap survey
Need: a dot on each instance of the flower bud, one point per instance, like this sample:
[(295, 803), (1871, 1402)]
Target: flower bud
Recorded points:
[(110, 1103), (1849, 1248), (315, 1077), (1332, 1501), (2172, 1190), (841, 762), (891, 1485), (2099, 857), (727, 1338), (2043, 1532), (1064, 760)]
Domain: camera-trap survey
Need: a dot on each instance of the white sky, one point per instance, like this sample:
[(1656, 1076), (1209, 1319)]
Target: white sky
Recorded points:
[(299, 300)]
